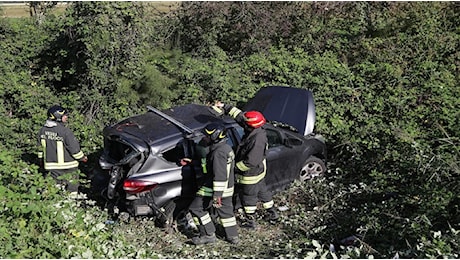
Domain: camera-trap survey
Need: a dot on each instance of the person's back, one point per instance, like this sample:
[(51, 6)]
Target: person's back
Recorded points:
[(251, 152), (56, 140), (59, 149), (250, 167), (221, 159), (217, 189)]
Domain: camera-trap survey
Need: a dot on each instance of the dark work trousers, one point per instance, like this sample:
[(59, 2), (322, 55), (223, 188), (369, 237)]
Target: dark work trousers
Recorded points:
[(200, 210), (68, 177), (250, 194)]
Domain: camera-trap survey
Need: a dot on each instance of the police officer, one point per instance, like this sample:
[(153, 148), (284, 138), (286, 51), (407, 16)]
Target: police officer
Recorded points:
[(59, 149), (217, 189), (250, 167)]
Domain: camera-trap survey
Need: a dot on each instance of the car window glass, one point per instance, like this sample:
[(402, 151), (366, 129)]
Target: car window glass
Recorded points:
[(200, 149), (231, 139), (273, 137), (292, 140), (240, 131), (118, 150), (175, 154)]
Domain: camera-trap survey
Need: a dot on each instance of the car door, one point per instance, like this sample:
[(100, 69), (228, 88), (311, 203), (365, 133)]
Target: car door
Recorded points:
[(186, 177), (282, 160)]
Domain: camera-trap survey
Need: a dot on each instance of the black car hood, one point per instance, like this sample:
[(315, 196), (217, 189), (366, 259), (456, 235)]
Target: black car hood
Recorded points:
[(292, 106)]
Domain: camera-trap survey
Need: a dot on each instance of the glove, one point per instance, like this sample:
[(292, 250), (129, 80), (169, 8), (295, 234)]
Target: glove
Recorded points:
[(217, 202), (219, 104), (217, 109), (84, 159), (185, 161)]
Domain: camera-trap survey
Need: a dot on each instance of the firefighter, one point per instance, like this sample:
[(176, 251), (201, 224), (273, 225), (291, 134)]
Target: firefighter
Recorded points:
[(250, 166), (60, 152), (217, 189)]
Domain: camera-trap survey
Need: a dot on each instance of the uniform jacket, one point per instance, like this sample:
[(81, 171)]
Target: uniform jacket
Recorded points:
[(59, 148), (219, 179), (251, 153)]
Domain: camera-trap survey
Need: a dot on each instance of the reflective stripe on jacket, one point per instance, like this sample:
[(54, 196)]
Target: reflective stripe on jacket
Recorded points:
[(250, 155), (58, 147), (251, 152), (219, 180), (242, 179)]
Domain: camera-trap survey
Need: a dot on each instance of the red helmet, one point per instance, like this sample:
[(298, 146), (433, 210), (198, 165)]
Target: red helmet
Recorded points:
[(254, 119)]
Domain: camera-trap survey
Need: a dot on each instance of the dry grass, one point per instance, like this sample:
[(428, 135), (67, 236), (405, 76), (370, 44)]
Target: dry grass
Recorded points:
[(18, 10), (14, 11)]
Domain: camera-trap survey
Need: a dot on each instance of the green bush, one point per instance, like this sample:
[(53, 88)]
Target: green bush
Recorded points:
[(38, 220), (384, 76)]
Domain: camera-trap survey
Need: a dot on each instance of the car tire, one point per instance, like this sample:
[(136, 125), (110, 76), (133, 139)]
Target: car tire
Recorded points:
[(313, 167)]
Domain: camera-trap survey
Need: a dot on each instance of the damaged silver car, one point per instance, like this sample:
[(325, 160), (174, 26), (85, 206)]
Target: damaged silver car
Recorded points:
[(142, 153)]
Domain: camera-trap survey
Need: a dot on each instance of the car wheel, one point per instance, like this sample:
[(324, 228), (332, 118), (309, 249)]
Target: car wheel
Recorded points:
[(312, 168)]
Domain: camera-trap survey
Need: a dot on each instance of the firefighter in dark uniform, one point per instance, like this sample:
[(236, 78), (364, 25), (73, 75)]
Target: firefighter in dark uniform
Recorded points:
[(250, 166), (217, 189), (59, 149)]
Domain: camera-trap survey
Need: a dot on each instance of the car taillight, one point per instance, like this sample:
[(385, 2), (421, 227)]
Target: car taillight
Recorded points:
[(137, 186)]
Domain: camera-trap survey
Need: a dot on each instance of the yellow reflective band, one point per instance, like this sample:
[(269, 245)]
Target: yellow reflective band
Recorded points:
[(203, 165), (78, 155), (228, 192), (228, 222), (250, 179), (205, 219), (220, 185), (40, 155), (218, 109), (234, 111), (250, 209), (43, 142), (209, 132), (268, 204), (208, 192), (61, 166), (241, 166), (205, 191), (60, 152)]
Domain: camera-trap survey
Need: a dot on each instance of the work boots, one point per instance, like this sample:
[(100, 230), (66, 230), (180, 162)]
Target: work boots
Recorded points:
[(233, 240), (203, 237), (249, 221), (206, 239), (271, 215)]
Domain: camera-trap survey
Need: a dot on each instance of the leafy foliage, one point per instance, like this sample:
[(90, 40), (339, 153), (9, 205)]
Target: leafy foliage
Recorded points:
[(40, 221), (384, 76)]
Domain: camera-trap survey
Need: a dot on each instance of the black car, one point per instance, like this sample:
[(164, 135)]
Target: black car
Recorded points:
[(142, 153)]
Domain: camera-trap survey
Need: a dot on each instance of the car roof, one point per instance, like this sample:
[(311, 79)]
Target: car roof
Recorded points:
[(151, 127)]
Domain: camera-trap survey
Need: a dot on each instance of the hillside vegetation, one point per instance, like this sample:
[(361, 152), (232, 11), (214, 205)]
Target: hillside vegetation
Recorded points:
[(384, 76)]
